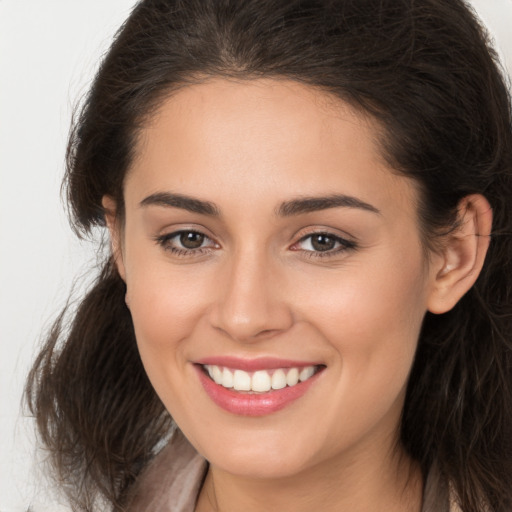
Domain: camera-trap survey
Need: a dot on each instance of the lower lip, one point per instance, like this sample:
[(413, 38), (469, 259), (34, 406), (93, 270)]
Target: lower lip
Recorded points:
[(256, 404)]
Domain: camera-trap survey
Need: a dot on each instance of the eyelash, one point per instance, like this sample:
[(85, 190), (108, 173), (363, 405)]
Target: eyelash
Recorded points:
[(344, 245), (165, 242)]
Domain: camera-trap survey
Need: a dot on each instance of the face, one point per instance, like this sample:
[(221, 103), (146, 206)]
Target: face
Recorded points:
[(267, 243)]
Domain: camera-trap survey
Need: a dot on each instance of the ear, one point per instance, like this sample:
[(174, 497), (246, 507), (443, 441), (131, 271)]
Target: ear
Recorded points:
[(111, 219), (463, 254)]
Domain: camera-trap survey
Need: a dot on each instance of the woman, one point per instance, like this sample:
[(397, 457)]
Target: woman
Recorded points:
[(310, 276)]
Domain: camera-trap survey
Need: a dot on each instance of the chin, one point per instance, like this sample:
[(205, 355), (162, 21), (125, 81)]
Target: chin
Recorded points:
[(261, 456), (262, 467)]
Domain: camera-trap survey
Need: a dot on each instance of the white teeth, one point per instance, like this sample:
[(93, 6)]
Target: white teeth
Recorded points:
[(227, 378), (242, 381), (306, 373), (278, 379), (292, 377), (217, 374), (260, 381)]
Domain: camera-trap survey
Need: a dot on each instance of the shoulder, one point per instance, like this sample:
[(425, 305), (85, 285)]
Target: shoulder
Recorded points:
[(171, 481)]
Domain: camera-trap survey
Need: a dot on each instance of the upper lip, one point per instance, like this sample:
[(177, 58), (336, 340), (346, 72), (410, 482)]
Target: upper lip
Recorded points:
[(253, 365)]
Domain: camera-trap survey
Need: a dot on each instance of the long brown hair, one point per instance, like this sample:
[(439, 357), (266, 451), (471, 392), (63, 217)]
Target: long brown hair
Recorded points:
[(426, 71)]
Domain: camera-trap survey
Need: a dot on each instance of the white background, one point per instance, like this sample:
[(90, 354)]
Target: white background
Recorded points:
[(48, 54)]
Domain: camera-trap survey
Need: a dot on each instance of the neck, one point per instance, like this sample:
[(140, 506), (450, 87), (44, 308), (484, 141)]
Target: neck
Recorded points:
[(392, 482)]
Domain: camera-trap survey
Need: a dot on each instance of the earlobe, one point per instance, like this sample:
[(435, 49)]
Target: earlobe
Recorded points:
[(111, 220), (463, 254)]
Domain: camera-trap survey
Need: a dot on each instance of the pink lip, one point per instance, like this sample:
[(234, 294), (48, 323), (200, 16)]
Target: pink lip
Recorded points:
[(257, 404), (253, 365)]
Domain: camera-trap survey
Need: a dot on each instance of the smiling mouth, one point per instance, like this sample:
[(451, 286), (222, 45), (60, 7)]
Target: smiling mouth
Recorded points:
[(261, 381)]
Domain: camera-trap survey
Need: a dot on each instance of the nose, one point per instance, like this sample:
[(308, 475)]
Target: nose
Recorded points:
[(251, 301)]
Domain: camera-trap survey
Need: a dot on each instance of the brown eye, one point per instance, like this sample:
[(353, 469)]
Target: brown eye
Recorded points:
[(191, 239), (323, 242), (186, 242)]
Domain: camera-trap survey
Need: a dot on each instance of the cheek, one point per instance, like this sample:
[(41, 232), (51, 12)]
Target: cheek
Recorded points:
[(159, 309), (380, 298), (165, 312), (166, 305), (163, 297), (371, 316)]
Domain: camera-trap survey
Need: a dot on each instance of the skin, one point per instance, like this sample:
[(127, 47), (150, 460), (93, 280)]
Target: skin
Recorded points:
[(258, 288)]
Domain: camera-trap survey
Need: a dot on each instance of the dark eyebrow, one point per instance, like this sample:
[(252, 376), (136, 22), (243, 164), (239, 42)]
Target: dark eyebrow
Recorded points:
[(313, 204), (288, 208), (181, 201)]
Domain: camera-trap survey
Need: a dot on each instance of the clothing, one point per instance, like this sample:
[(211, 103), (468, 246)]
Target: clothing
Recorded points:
[(173, 480)]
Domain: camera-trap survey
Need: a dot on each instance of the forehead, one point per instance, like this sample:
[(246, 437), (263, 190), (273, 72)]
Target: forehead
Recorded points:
[(272, 137)]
